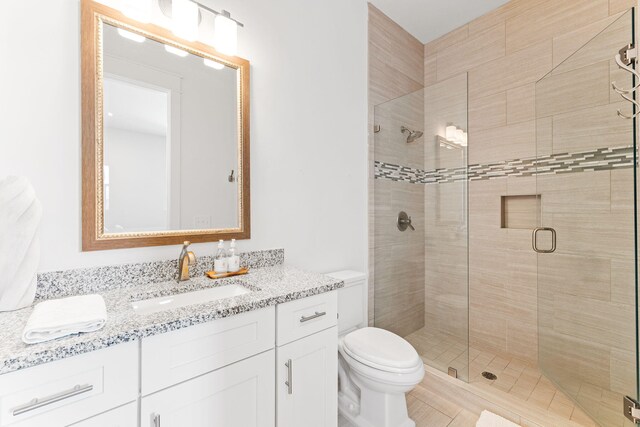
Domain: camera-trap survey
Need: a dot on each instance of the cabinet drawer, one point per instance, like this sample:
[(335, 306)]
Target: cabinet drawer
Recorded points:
[(186, 353), (306, 316), (71, 389)]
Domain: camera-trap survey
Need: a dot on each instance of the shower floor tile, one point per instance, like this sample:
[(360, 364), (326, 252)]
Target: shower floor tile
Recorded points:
[(516, 378)]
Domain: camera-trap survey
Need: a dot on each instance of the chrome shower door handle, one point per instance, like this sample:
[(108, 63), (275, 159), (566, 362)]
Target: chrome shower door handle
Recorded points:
[(534, 240)]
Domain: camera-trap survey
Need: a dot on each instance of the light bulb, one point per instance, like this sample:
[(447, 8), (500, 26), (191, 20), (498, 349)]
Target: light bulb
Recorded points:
[(131, 36), (184, 18), (140, 10), (181, 53), (450, 133), (225, 37), (213, 64)]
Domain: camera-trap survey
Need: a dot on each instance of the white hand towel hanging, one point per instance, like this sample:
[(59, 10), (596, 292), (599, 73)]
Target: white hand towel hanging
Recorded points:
[(67, 316)]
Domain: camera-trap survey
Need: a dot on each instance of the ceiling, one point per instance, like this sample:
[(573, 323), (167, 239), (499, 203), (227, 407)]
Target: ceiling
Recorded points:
[(427, 20)]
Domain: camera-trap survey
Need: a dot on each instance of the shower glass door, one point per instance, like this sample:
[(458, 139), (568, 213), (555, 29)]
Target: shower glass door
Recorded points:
[(420, 273), (586, 243)]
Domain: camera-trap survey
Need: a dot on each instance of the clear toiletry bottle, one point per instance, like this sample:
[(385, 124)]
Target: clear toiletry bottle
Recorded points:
[(220, 261), (233, 262)]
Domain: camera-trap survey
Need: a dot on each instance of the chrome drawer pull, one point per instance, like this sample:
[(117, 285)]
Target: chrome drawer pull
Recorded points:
[(314, 316), (39, 403)]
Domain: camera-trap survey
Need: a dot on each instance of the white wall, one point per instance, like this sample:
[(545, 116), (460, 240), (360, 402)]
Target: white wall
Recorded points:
[(308, 127)]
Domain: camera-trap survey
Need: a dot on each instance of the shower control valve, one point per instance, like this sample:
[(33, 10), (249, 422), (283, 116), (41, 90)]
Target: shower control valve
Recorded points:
[(404, 221)]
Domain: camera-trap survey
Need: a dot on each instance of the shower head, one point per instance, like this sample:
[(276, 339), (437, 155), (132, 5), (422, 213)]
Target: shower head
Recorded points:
[(412, 135)]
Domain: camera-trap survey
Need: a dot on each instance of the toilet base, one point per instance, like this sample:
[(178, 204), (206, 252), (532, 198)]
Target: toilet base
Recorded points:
[(381, 410)]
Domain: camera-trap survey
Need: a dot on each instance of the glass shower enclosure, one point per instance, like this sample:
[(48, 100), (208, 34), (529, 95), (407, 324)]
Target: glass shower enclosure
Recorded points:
[(421, 274), (569, 210)]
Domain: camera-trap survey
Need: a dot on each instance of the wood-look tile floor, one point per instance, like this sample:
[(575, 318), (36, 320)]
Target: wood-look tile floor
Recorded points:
[(435, 413), (516, 378)]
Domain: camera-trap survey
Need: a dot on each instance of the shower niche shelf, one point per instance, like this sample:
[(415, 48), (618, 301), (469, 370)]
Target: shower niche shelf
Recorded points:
[(520, 212)]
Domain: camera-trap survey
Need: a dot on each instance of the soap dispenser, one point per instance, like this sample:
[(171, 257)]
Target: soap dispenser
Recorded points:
[(220, 261), (233, 263)]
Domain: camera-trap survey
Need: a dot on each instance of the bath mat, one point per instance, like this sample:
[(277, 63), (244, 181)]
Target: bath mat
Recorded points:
[(489, 419)]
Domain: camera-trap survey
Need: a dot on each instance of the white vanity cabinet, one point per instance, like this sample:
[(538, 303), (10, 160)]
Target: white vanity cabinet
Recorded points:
[(275, 366), (307, 362)]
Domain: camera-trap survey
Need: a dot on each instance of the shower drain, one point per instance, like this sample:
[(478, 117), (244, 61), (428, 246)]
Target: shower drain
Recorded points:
[(489, 375)]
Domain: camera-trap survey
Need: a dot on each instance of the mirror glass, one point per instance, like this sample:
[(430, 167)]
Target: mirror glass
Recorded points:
[(171, 138)]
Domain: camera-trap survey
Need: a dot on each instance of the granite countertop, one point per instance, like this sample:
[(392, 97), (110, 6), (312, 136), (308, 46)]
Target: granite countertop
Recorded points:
[(270, 286)]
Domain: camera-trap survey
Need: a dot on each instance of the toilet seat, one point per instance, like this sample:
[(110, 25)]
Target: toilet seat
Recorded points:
[(382, 379), (382, 350)]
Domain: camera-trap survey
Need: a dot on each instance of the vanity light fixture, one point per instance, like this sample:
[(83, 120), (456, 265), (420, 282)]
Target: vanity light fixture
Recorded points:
[(450, 132), (225, 38), (213, 64), (185, 19), (171, 49), (454, 138), (185, 15), (131, 36)]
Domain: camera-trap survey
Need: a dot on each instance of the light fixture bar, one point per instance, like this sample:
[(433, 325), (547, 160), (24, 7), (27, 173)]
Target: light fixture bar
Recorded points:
[(215, 12)]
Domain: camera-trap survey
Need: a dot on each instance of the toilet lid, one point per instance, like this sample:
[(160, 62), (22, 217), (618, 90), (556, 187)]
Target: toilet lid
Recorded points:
[(382, 350)]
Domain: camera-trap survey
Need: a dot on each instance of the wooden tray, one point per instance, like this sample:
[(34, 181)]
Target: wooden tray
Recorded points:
[(213, 275)]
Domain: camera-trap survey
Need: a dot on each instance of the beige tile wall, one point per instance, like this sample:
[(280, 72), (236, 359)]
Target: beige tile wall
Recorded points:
[(504, 53), (396, 260)]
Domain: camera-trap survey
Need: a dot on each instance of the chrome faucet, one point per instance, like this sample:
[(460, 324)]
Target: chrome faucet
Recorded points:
[(187, 258)]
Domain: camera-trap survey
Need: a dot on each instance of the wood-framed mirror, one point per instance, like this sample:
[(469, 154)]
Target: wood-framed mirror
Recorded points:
[(165, 136)]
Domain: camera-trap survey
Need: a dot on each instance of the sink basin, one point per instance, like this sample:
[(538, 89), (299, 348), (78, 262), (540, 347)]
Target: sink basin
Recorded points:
[(168, 302)]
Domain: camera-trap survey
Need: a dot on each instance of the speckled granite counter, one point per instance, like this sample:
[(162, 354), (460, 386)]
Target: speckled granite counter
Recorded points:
[(270, 285)]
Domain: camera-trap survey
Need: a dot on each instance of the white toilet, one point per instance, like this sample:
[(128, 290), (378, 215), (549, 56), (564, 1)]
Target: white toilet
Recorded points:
[(376, 367)]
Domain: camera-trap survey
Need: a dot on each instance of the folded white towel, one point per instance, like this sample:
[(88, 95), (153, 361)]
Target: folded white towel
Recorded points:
[(489, 419), (67, 316)]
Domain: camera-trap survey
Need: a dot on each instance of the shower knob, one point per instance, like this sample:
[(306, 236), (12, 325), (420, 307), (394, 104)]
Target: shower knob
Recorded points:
[(404, 221)]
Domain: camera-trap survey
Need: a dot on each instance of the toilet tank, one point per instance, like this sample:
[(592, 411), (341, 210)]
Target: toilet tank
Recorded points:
[(352, 300)]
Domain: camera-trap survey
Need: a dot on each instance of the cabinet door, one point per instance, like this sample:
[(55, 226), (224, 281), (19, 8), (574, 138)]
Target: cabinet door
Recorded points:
[(307, 381), (124, 416), (238, 395)]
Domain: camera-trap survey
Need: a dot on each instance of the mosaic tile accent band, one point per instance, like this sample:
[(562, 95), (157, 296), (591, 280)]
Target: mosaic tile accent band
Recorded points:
[(599, 159), (58, 284)]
